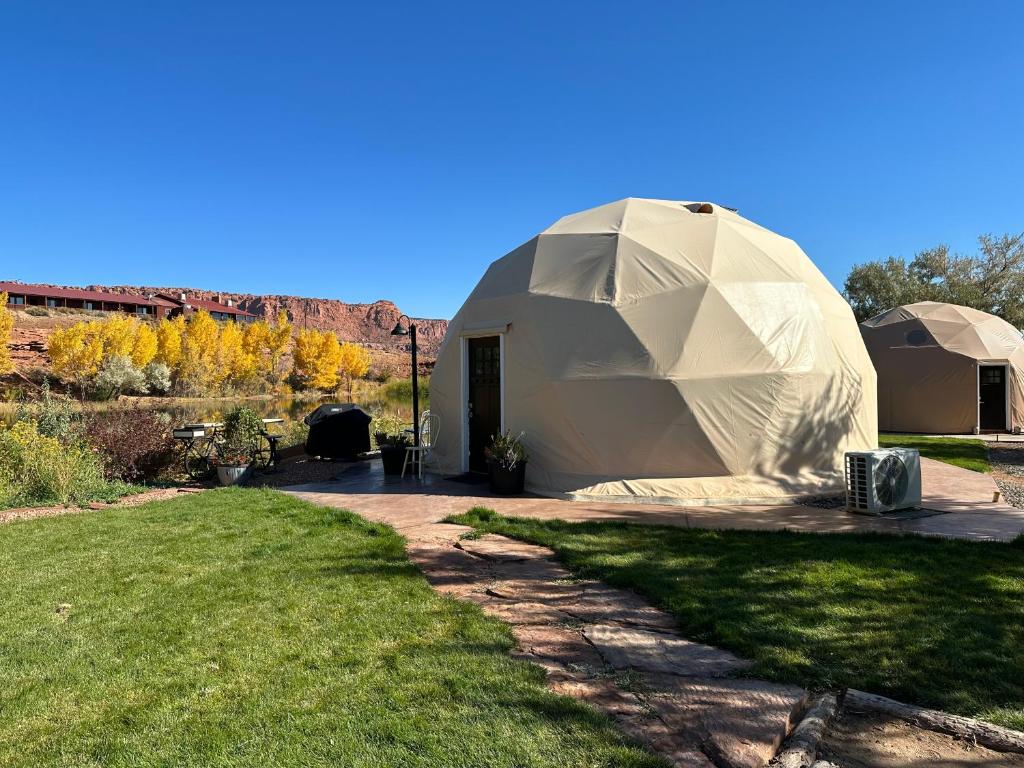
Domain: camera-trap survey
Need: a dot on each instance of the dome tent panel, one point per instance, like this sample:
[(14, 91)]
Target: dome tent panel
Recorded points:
[(636, 372), (509, 275), (575, 267)]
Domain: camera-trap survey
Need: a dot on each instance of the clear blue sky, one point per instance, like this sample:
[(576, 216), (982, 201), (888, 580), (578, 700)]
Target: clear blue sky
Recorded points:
[(376, 150)]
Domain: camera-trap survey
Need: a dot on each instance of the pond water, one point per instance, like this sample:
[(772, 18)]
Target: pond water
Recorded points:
[(287, 408)]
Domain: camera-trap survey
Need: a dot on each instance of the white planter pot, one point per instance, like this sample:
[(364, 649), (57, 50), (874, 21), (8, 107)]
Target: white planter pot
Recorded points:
[(232, 475)]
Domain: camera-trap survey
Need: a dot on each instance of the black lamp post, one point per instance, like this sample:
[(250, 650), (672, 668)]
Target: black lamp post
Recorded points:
[(410, 331)]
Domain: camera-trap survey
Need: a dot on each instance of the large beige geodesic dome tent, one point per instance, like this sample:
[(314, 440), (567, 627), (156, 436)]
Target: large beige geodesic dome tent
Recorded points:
[(660, 350), (944, 368)]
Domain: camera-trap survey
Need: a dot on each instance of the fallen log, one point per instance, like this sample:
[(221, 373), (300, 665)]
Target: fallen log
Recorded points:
[(988, 735), (801, 748)]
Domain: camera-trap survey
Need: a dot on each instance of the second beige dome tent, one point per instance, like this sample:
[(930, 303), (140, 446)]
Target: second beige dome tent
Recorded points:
[(658, 350), (946, 369)]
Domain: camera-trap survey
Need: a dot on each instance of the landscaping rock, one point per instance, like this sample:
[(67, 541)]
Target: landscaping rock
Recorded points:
[(624, 647)]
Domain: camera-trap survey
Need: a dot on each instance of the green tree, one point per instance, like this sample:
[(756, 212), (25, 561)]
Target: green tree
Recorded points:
[(991, 280)]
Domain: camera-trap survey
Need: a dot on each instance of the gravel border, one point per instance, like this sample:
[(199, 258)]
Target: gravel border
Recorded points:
[(135, 500), (1007, 460)]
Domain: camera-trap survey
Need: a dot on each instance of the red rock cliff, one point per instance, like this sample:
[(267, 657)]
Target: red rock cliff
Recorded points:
[(369, 324)]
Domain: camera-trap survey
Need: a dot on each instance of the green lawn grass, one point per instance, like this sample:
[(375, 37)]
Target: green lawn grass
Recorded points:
[(247, 628), (961, 452), (933, 622)]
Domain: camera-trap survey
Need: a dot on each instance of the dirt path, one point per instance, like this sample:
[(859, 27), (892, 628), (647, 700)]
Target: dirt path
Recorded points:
[(856, 740), (30, 513)]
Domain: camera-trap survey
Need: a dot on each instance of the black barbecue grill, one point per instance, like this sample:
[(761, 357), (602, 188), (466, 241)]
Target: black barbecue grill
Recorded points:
[(338, 431)]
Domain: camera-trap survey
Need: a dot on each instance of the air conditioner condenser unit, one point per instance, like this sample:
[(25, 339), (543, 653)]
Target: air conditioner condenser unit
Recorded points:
[(883, 481)]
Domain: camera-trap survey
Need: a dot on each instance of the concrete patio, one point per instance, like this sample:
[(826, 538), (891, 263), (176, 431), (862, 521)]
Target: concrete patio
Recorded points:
[(956, 502)]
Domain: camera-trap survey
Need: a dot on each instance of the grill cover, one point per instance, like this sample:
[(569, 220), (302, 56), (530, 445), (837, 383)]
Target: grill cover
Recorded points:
[(338, 431)]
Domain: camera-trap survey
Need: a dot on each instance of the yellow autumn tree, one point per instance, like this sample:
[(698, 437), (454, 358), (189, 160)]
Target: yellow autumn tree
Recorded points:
[(354, 362), (234, 362), (197, 369), (256, 345), (144, 347), (118, 334), (76, 352), (6, 324), (169, 334), (317, 359), (280, 337)]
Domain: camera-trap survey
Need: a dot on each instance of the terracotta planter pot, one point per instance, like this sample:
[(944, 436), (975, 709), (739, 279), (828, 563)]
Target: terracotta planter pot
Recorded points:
[(229, 475), (506, 482)]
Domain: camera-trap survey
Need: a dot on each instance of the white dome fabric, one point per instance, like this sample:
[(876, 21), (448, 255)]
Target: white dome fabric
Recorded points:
[(927, 356), (653, 351)]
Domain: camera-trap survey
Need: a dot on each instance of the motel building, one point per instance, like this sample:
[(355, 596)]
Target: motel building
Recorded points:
[(154, 305)]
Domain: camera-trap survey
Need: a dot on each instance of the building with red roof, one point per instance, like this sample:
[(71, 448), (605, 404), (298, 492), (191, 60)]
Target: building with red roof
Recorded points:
[(154, 305)]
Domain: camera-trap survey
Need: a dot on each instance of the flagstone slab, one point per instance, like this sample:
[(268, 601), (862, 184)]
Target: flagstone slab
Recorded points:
[(600, 604), (528, 590), (493, 547), (739, 723), (566, 646), (635, 717), (533, 570), (525, 612), (629, 647), (447, 569), (447, 533)]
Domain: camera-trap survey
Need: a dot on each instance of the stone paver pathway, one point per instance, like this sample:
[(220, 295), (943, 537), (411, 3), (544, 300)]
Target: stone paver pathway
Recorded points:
[(686, 701), (614, 651)]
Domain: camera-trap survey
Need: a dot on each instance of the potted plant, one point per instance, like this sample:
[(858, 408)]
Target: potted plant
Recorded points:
[(506, 463), (242, 430), (233, 462), (391, 439)]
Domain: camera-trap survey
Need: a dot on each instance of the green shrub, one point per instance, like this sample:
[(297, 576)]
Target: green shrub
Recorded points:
[(39, 469), (295, 433), (37, 312), (53, 415), (158, 377), (389, 429), (119, 375), (242, 430), (401, 390)]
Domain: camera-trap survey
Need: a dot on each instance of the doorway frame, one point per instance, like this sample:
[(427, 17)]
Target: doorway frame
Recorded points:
[(1006, 391), (464, 337)]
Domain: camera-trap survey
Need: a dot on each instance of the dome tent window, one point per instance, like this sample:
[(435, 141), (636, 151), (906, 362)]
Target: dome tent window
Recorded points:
[(917, 338)]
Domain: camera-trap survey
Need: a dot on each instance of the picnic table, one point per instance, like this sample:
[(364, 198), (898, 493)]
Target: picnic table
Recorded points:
[(201, 440)]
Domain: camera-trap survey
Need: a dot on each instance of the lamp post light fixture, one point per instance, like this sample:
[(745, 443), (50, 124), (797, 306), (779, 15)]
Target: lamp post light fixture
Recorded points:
[(402, 330)]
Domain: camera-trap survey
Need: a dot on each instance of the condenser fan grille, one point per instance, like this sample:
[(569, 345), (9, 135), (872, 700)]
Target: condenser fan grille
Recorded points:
[(891, 480)]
